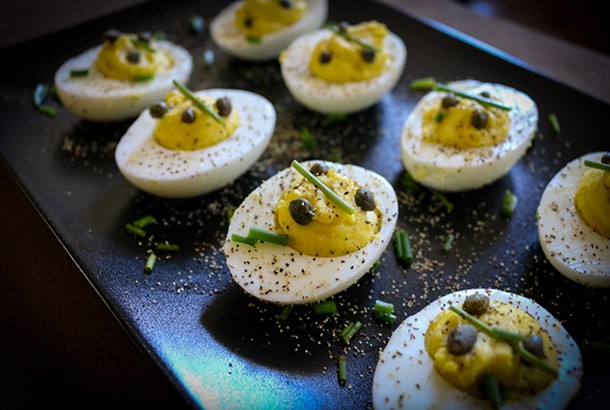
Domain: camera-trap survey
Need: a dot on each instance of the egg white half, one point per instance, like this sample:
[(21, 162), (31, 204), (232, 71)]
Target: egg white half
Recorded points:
[(283, 275), (182, 174), (572, 247), (229, 38), (451, 169), (97, 98), (405, 376), (335, 98)]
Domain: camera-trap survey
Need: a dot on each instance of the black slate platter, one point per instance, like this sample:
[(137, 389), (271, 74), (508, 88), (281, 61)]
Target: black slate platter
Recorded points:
[(221, 347)]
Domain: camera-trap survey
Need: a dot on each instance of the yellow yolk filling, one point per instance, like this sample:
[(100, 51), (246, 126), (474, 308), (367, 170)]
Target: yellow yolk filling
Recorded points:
[(112, 60), (332, 232), (452, 126), (173, 133), (490, 356), (260, 17), (592, 201), (346, 62)]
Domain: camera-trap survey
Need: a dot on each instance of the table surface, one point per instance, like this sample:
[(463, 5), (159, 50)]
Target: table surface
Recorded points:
[(61, 345)]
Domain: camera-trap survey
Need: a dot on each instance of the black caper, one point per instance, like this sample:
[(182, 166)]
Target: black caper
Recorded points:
[(133, 56), (534, 345), (112, 35), (145, 36), (224, 107), (248, 22), (461, 339), (286, 4), (479, 119), (450, 100), (318, 169), (158, 110), (485, 94), (365, 199), (606, 158), (368, 55), (325, 57), (476, 304), (301, 211), (188, 116)]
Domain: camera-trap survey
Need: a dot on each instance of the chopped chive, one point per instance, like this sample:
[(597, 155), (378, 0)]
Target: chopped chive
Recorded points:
[(230, 211), (479, 99), (384, 318), (375, 266), (198, 103), (208, 58), (336, 199), (242, 239), (439, 117), (135, 230), (328, 307), (268, 236), (383, 312), (143, 45), (145, 220), (336, 117), (403, 246), (47, 110), (150, 263), (492, 391), (400, 249), (169, 247), (143, 78), (448, 242), (441, 197), (350, 330), (383, 307), (423, 84), (196, 24), (534, 360), (337, 30), (342, 369), (554, 124), (40, 93), (509, 203), (307, 140), (408, 183), (79, 73), (254, 39), (597, 165), (284, 313)]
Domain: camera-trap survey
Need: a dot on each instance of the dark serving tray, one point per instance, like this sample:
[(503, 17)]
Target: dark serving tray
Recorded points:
[(221, 347)]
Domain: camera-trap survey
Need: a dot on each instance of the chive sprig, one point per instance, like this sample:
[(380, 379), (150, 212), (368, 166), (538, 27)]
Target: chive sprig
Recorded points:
[(481, 100), (197, 102)]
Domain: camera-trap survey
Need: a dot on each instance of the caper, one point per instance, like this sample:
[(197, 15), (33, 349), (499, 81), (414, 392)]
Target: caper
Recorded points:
[(133, 56), (248, 22), (112, 35), (461, 339), (145, 36), (485, 94), (368, 55), (188, 116), (476, 304), (365, 199), (479, 119), (325, 57), (286, 4), (224, 107), (301, 211), (606, 158), (318, 169), (450, 100), (158, 110), (534, 345)]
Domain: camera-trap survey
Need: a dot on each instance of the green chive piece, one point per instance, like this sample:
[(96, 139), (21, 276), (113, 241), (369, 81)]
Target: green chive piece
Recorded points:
[(254, 39), (423, 84), (554, 123), (198, 103), (47, 110), (230, 211), (242, 239), (79, 73), (492, 391), (168, 247), (408, 183), (307, 140), (597, 165), (337, 30), (143, 78), (481, 100), (385, 318), (150, 263), (403, 246), (145, 220), (196, 24), (342, 369), (268, 236), (143, 45), (328, 307), (383, 312), (40, 93), (350, 330), (473, 320), (336, 199), (208, 58), (284, 313), (448, 242), (441, 197), (135, 230), (398, 245), (375, 266), (534, 360), (507, 336), (383, 307), (336, 117), (508, 204), (439, 117)]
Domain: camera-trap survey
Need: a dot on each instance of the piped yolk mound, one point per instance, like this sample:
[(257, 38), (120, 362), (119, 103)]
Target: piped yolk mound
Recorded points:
[(127, 58), (340, 60), (260, 17), (490, 356), (174, 133), (592, 201), (453, 126), (332, 232)]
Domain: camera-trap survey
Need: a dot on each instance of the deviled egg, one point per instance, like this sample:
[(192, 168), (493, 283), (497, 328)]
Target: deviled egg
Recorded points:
[(343, 68), (260, 29), (193, 143), (574, 220), (468, 135), (439, 358), (332, 222), (120, 78)]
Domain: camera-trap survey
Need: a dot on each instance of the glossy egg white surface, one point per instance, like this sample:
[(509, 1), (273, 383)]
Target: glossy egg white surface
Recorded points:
[(452, 169), (182, 174), (405, 376), (283, 275), (97, 98), (338, 98), (572, 247), (230, 39)]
